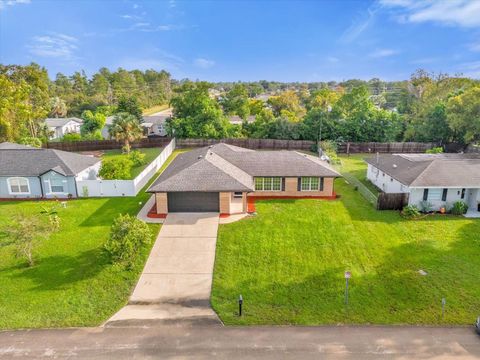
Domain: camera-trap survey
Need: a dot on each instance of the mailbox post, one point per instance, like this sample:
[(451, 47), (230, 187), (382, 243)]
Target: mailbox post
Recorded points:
[(348, 275), (240, 303)]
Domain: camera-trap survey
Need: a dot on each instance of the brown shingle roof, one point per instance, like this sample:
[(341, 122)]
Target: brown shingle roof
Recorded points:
[(225, 167)]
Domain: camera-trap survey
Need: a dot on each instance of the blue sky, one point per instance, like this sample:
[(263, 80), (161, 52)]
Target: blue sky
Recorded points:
[(245, 40)]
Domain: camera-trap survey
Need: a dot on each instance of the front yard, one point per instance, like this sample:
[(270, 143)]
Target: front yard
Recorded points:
[(73, 283), (288, 263)]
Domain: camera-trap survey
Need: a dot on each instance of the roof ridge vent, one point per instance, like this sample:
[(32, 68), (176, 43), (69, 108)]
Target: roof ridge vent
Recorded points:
[(200, 156)]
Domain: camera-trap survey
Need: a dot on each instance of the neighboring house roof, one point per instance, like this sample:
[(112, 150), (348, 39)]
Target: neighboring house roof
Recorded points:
[(430, 170), (237, 120), (223, 167), (11, 146), (35, 162), (58, 122)]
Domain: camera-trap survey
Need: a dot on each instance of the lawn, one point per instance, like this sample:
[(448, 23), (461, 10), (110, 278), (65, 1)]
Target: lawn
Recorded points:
[(150, 155), (155, 109), (355, 165), (288, 263), (73, 283)]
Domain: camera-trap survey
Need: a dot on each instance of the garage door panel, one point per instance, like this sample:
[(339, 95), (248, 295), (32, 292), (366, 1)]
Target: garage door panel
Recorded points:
[(193, 202)]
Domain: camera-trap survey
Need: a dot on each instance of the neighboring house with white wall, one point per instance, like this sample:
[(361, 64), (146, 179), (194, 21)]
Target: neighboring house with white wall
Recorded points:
[(27, 172), (58, 127), (439, 179), (153, 125)]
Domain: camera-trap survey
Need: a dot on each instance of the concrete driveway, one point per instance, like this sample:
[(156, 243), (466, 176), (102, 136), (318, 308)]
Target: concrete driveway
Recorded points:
[(177, 279)]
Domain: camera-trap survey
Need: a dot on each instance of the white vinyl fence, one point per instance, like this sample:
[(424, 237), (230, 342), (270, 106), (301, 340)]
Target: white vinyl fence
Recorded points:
[(109, 188)]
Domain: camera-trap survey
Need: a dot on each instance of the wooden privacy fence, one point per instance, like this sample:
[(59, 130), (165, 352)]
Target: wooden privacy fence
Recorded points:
[(389, 148), (392, 201), (272, 144), (92, 145)]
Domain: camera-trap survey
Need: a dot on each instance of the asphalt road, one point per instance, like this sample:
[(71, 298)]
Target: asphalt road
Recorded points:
[(216, 341)]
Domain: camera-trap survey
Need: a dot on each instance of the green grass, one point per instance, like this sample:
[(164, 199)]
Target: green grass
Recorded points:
[(288, 262), (150, 155), (355, 165), (155, 109), (73, 283)]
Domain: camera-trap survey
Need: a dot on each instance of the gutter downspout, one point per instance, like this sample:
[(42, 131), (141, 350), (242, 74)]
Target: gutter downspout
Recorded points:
[(41, 186)]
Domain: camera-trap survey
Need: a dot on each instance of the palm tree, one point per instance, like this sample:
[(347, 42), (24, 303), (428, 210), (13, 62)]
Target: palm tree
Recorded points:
[(125, 127), (58, 106)]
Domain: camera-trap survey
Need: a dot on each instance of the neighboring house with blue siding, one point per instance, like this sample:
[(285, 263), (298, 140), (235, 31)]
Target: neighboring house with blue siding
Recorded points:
[(27, 172)]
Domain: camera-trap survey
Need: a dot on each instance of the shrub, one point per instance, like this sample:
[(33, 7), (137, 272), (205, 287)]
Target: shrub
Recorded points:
[(426, 206), (459, 208), (71, 137), (411, 212), (127, 237), (137, 158), (31, 141), (435, 150), (118, 168), (329, 147)]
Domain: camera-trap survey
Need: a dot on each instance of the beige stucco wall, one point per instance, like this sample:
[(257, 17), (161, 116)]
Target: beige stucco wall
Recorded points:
[(291, 189), (162, 203)]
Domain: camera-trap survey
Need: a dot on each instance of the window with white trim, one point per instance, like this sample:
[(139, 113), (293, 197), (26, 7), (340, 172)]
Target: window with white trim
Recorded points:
[(57, 186), (310, 184), (268, 184), (19, 185)]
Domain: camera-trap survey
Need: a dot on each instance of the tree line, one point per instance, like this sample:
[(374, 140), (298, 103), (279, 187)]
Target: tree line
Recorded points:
[(29, 96), (426, 108)]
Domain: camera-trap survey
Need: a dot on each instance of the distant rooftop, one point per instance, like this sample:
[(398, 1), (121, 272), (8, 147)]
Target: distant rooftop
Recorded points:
[(56, 122)]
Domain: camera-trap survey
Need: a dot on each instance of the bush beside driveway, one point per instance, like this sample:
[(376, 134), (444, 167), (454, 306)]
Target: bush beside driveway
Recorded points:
[(288, 262)]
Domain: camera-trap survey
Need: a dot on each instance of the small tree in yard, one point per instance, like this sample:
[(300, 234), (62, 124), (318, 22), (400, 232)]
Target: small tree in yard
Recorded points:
[(116, 168), (125, 127), (127, 237), (25, 231)]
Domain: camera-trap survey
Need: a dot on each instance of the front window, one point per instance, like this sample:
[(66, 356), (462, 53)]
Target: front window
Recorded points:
[(268, 184), (435, 194), (19, 186), (56, 186), (310, 184)]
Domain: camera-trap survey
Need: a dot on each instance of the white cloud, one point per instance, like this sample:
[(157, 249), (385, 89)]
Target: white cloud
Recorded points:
[(136, 6), (380, 53), (203, 63), (5, 3), (470, 69), (359, 25), (464, 13), (54, 45), (333, 59), (474, 46)]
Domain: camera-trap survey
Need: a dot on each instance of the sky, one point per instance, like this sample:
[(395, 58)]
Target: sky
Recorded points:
[(245, 40)]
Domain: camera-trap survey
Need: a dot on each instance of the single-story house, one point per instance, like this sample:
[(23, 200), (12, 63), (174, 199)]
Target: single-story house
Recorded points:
[(58, 127), (153, 125), (28, 172), (439, 179), (237, 120), (224, 178)]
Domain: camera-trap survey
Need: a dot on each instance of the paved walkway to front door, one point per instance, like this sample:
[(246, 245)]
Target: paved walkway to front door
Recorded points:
[(177, 279)]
